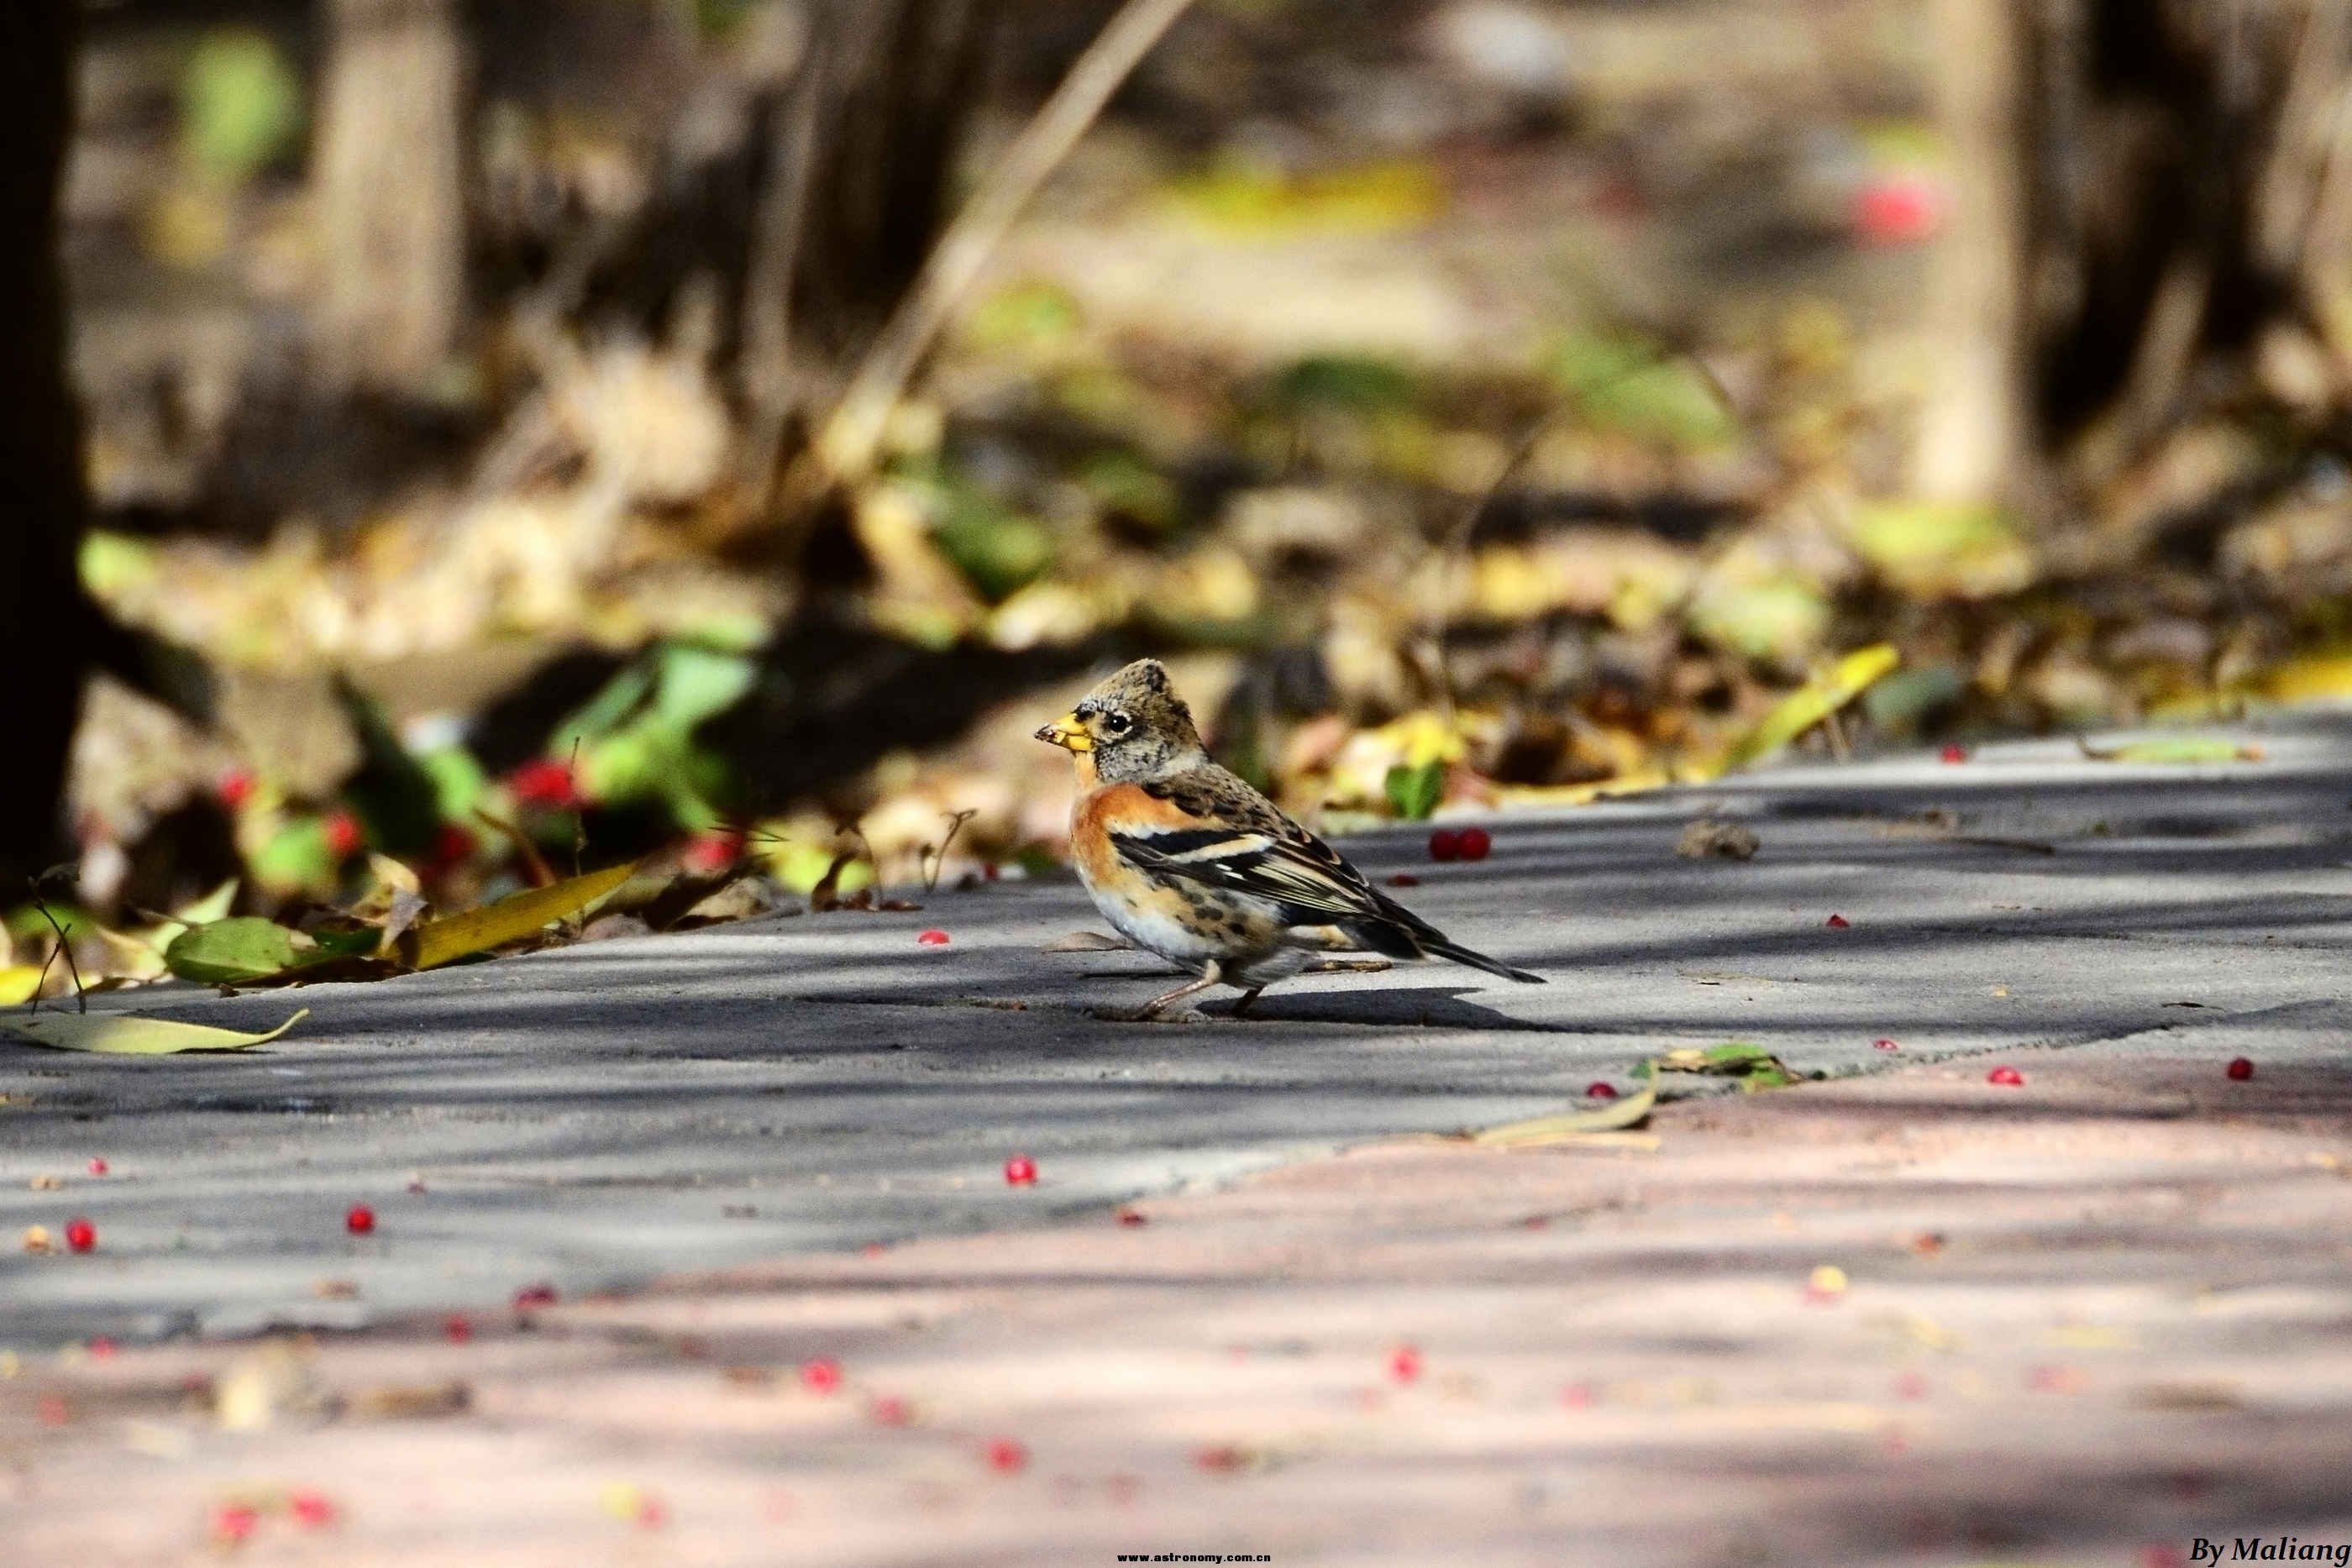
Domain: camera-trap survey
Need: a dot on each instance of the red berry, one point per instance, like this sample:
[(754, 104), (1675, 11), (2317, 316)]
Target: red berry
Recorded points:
[(457, 1328), (360, 1221), (101, 1347), (1404, 879), (1131, 1217), (710, 854), (1910, 1385), (233, 1521), (1599, 1090), (545, 782), (344, 836), (872, 1250), (2240, 1069), (1476, 843), (80, 1235), (1954, 752), (2007, 1077), (891, 1411), (821, 1374), (235, 788), (1446, 844), (1883, 1045), (652, 1513), (1220, 1457), (990, 872), (310, 1510), (933, 939), (1006, 1454), (1404, 1364), (53, 1410), (1837, 923), (1020, 1171), (2162, 1557), (98, 1167), (1576, 1396), (530, 1296), (452, 846), (1897, 210)]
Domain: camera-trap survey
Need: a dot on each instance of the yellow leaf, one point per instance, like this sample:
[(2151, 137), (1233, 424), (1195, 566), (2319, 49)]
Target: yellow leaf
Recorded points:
[(517, 916), (1567, 1127), (120, 1034), (1813, 702), (19, 983)]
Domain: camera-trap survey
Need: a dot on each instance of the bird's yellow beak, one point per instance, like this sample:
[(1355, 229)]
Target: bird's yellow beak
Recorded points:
[(1068, 733)]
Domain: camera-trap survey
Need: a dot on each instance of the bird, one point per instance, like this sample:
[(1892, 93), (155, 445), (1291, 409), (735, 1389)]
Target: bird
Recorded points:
[(1189, 861)]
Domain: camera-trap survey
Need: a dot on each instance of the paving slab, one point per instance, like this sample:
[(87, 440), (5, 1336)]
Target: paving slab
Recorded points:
[(599, 1115), (2083, 1322)]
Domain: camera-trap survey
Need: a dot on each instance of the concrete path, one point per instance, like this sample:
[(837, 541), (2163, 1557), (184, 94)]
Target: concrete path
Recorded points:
[(604, 1114)]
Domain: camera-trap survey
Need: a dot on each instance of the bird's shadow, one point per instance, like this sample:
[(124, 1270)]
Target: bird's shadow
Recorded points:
[(1413, 1007)]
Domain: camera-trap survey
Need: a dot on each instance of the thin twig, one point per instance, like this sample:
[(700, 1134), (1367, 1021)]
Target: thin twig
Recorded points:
[(852, 436), (82, 995), (933, 867)]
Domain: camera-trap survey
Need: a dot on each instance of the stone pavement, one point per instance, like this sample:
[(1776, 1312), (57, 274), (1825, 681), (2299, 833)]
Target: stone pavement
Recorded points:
[(600, 1115)]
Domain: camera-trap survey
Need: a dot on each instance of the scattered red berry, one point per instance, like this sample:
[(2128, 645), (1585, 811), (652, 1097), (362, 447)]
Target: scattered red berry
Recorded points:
[(344, 836), (1404, 879), (2240, 1069), (821, 1374), (1837, 923), (1576, 1396), (1476, 843), (1006, 1454), (2162, 1557), (1599, 1091), (1883, 1045), (530, 1296), (452, 846), (652, 1513), (233, 1521), (990, 872), (545, 782), (456, 1329), (1131, 1217), (1219, 1458), (80, 1235), (1954, 752), (1404, 1364), (2007, 1077), (360, 1221), (1020, 1171), (53, 1410), (933, 939), (872, 1250), (101, 1347), (235, 788), (891, 1411), (98, 1167), (310, 1510), (1910, 1385), (1446, 844)]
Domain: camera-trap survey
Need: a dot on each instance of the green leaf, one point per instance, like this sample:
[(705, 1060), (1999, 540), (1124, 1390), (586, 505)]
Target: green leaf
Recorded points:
[(1625, 382), (120, 1034), (240, 104), (1813, 702), (2187, 749), (1414, 792), (693, 684), (237, 951), (1754, 1066)]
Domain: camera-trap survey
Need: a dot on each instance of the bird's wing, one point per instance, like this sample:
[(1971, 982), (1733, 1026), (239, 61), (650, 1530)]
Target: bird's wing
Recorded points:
[(1228, 836)]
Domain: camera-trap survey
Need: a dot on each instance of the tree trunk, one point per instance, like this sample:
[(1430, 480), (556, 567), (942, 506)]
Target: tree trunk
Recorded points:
[(2150, 198), (389, 180), (45, 623)]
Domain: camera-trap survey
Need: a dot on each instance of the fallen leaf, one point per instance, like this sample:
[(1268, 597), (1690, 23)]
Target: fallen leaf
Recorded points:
[(512, 918), (2181, 750), (19, 983), (1707, 839), (1570, 1125), (121, 1034), (1756, 1067), (1811, 703), (1087, 942)]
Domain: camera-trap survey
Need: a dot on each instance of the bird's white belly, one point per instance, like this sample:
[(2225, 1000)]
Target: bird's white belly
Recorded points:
[(1153, 931)]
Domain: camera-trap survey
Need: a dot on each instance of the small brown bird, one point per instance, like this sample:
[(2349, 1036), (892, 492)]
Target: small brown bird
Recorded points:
[(1187, 861)]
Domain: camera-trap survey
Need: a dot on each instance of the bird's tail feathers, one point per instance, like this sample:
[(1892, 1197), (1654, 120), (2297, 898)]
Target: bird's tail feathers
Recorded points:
[(1441, 949)]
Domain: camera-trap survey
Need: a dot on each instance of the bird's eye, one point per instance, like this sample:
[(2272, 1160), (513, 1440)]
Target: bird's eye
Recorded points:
[(1118, 723)]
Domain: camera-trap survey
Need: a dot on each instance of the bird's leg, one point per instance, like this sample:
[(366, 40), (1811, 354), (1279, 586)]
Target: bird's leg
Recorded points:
[(1211, 975), (1242, 1008)]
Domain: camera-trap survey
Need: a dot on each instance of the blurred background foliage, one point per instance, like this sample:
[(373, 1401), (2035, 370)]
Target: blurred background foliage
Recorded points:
[(1477, 400)]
